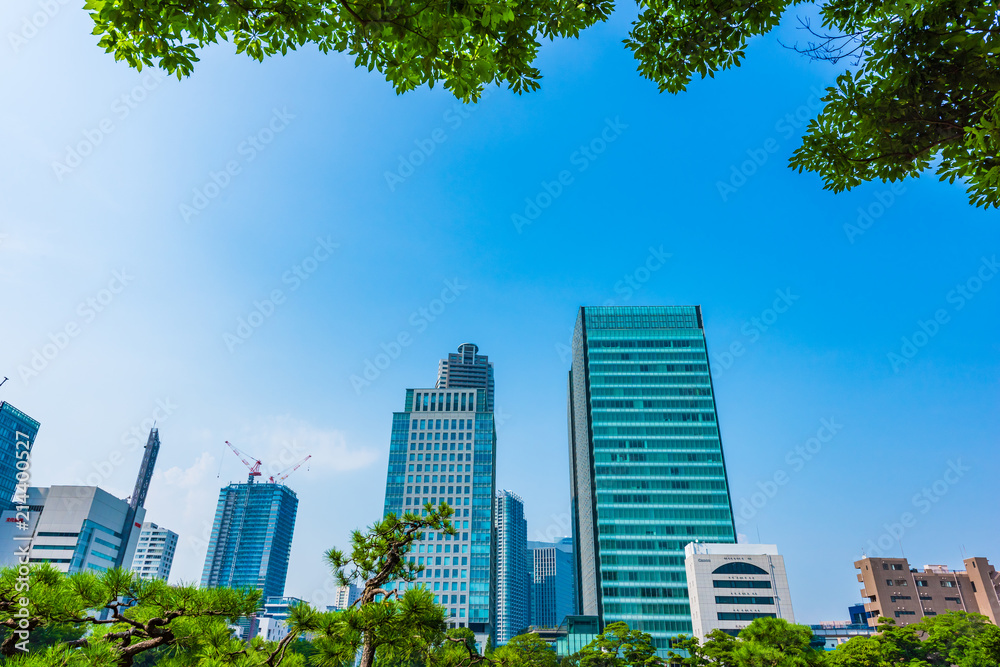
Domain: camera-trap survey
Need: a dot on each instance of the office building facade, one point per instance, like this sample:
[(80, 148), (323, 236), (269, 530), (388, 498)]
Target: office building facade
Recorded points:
[(467, 369), (344, 597), (647, 474), (513, 611), (154, 552), (442, 450), (553, 583), (894, 589), (73, 528), (17, 435), (731, 585), (251, 538)]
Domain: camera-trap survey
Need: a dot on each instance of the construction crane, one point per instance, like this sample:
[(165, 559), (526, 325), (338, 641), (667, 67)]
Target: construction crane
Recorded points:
[(281, 476), (254, 468)]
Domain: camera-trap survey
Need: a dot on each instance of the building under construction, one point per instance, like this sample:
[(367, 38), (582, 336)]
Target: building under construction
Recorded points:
[(252, 535)]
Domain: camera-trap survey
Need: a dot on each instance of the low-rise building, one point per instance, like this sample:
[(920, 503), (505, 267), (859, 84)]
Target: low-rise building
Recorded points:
[(73, 528), (895, 590), (836, 633), (730, 585)]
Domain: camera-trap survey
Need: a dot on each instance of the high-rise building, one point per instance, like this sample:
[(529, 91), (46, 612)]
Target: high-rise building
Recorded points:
[(553, 591), (74, 528), (442, 450), (467, 369), (513, 612), (647, 474), (344, 597), (732, 584), (251, 537), (154, 552), (142, 480), (17, 435), (907, 595)]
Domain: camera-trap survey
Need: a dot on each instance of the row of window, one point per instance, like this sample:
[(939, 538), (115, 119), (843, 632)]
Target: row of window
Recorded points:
[(921, 583), (667, 380), (722, 583), (425, 467), (733, 599), (461, 435), (743, 616), (444, 402), (435, 424), (656, 457)]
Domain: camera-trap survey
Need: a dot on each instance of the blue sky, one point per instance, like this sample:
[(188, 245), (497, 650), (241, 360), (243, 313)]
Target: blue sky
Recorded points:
[(291, 157)]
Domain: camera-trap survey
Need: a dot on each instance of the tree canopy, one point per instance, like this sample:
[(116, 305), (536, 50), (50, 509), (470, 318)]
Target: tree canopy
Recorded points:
[(923, 90)]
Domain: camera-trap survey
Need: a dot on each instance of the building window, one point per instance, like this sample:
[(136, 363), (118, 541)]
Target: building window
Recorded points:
[(739, 568)]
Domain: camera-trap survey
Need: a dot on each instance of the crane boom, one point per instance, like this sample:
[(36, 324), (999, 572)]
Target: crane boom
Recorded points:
[(254, 468), (283, 475)]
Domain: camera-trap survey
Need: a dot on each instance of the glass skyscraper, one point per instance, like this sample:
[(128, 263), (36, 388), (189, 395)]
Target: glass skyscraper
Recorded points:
[(513, 571), (442, 450), (647, 473), (15, 427), (553, 591), (251, 538)]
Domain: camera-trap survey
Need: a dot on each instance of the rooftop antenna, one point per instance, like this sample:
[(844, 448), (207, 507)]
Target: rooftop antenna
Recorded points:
[(4, 380)]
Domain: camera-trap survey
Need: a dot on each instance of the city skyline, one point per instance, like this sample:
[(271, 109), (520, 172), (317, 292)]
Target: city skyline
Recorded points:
[(557, 522)]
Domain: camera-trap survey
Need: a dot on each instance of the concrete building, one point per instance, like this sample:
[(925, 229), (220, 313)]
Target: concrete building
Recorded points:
[(513, 612), (17, 437), (467, 369), (154, 552), (647, 474), (553, 591), (894, 589), (344, 597), (442, 450), (251, 537), (730, 585), (828, 636), (73, 528), (271, 623)]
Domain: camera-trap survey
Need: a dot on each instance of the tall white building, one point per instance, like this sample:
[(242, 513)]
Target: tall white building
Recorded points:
[(73, 528), (154, 553), (513, 598), (442, 450), (345, 597), (730, 585)]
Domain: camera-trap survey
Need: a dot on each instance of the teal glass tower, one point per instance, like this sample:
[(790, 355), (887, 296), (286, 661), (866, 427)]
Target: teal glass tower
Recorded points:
[(251, 538), (442, 450), (17, 434), (647, 473)]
